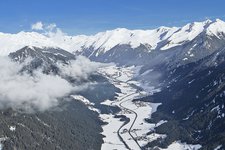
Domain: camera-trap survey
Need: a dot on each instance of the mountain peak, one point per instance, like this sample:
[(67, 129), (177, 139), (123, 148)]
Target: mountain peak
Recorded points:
[(104, 41), (216, 28), (207, 21), (29, 47), (192, 30), (219, 20)]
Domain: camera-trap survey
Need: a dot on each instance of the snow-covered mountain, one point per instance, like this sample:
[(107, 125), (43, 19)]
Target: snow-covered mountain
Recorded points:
[(48, 55), (162, 38), (185, 65), (47, 58), (187, 44), (164, 45)]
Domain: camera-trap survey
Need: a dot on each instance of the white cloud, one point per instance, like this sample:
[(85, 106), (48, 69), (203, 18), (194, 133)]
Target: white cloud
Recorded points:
[(81, 68), (57, 35), (50, 30), (37, 26), (24, 92), (44, 26), (51, 26), (39, 92)]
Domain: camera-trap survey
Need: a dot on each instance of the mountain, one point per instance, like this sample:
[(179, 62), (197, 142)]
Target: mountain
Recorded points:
[(45, 57), (69, 125), (192, 91), (103, 41), (137, 46), (193, 103), (189, 68), (186, 63), (184, 45), (46, 54)]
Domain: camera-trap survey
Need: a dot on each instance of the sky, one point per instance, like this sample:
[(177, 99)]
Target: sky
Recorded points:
[(91, 16)]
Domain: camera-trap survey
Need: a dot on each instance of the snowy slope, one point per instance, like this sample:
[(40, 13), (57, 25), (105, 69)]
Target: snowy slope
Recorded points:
[(162, 38), (12, 42), (186, 33), (109, 39), (216, 28), (104, 41)]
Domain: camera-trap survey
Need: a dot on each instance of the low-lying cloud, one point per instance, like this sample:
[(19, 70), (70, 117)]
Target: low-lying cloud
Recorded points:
[(39, 91), (81, 68)]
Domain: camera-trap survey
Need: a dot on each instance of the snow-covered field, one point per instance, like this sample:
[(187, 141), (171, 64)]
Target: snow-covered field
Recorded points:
[(111, 141), (177, 145), (132, 133)]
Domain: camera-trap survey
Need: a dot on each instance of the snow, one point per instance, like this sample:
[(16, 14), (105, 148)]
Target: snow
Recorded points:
[(218, 147), (217, 108), (111, 141), (12, 128), (177, 145), (191, 81), (86, 102), (121, 78), (82, 99), (146, 72), (107, 102), (42, 122), (109, 39), (192, 55), (2, 139), (186, 33), (104, 41), (12, 42), (146, 86), (216, 27), (141, 127), (189, 115)]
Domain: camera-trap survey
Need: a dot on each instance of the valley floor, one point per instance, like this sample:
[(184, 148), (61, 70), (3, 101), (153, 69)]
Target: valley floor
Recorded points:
[(131, 134), (128, 129)]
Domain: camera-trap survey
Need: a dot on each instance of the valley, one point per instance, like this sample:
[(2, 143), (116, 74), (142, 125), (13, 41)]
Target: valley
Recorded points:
[(128, 128), (160, 89)]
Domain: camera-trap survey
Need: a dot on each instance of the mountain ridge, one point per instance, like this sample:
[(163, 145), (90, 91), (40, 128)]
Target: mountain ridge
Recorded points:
[(104, 41)]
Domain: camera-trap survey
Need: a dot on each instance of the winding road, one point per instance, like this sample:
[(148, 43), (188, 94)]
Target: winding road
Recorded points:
[(128, 92), (133, 121)]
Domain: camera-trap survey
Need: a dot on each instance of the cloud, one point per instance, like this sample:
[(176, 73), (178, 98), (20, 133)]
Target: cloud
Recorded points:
[(37, 26), (56, 35), (24, 92), (51, 30), (81, 68), (40, 26), (38, 92), (51, 26)]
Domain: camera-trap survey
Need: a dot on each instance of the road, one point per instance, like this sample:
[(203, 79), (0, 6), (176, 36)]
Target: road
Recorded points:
[(124, 102), (124, 108)]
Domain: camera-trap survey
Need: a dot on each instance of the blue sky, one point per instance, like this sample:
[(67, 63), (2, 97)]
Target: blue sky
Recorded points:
[(92, 16)]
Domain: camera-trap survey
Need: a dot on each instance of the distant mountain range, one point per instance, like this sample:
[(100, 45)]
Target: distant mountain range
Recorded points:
[(136, 46)]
